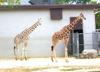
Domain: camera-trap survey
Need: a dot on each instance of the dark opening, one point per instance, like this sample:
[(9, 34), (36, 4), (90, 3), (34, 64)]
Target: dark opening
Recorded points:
[(72, 47), (81, 40), (56, 13)]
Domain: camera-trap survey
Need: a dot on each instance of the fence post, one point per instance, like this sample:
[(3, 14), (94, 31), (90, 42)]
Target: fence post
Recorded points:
[(77, 46), (98, 43), (74, 43)]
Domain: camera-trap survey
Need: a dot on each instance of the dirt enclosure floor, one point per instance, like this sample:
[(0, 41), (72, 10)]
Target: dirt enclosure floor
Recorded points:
[(45, 65)]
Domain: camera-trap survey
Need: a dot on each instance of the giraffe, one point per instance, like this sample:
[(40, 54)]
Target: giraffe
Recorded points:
[(64, 35), (22, 39)]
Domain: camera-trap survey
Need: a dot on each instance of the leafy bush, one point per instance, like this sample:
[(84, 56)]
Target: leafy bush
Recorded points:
[(98, 21)]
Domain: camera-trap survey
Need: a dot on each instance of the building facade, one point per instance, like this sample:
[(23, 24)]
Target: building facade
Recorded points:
[(16, 19)]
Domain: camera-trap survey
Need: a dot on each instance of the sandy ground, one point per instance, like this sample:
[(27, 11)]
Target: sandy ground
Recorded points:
[(35, 62), (47, 66)]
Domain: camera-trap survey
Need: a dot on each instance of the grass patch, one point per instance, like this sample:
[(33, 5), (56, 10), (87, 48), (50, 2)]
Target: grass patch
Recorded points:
[(80, 68), (15, 70), (22, 69), (70, 68), (59, 68)]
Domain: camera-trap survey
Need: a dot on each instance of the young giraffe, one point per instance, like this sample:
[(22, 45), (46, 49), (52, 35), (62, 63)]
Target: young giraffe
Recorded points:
[(22, 39), (63, 35)]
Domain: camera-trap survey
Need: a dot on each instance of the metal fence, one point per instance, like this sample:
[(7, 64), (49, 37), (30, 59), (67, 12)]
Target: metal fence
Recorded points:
[(80, 41)]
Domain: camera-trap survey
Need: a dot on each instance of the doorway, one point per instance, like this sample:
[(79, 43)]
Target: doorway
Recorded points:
[(76, 43)]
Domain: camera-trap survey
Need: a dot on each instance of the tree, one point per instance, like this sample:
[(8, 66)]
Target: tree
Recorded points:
[(62, 1), (83, 1), (98, 21), (10, 2), (1, 1), (93, 2), (13, 2), (73, 1)]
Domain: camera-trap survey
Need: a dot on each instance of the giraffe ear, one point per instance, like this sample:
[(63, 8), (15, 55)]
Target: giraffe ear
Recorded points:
[(81, 11), (81, 14)]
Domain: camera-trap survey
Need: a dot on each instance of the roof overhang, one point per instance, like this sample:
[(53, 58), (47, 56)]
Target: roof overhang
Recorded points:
[(50, 6)]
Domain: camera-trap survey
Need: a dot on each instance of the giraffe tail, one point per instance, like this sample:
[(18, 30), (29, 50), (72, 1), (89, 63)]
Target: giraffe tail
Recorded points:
[(52, 48), (15, 52)]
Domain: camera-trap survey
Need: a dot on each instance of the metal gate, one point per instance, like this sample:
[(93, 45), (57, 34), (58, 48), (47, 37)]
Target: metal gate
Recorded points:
[(76, 44)]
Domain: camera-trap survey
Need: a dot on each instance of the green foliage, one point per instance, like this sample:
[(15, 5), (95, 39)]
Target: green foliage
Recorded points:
[(1, 1), (81, 1), (98, 21), (93, 2), (18, 2), (74, 1), (13, 2), (10, 2), (97, 25), (62, 1)]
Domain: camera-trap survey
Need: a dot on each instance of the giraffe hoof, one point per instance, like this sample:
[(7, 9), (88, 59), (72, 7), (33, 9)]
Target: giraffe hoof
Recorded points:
[(56, 60), (25, 58), (52, 59), (21, 59), (66, 61), (16, 59)]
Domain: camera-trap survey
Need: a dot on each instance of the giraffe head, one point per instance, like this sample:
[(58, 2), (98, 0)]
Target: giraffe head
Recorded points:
[(82, 16)]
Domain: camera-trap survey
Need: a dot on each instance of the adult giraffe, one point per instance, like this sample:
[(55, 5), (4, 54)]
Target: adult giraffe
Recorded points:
[(63, 35), (22, 39)]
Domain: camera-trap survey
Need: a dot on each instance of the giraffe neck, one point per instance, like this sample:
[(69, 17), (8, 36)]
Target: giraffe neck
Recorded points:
[(73, 24), (26, 32)]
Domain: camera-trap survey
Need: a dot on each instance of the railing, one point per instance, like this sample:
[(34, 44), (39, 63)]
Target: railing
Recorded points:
[(80, 41)]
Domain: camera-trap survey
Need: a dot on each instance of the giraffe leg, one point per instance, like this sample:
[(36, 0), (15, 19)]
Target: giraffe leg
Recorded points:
[(22, 51), (55, 55), (66, 54), (52, 54), (25, 54), (15, 51), (66, 49), (53, 51)]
